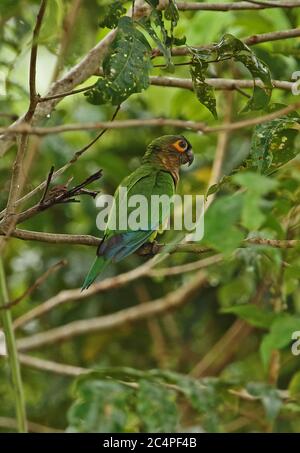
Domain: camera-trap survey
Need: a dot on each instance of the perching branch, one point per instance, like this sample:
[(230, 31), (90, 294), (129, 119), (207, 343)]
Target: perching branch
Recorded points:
[(147, 249)]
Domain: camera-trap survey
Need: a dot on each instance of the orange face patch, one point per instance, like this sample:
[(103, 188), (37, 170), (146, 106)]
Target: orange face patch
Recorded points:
[(180, 146)]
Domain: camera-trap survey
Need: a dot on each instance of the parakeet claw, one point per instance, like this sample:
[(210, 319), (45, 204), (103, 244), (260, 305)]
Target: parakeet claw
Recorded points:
[(149, 249)]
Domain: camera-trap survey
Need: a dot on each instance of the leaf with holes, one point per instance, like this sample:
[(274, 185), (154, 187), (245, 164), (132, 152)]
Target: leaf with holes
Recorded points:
[(273, 143), (126, 67), (111, 14), (156, 407), (204, 92), (230, 48)]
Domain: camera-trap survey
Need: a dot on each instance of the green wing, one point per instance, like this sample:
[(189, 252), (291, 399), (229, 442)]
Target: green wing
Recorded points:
[(117, 243)]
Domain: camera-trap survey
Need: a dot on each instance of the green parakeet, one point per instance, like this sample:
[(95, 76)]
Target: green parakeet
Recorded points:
[(157, 175)]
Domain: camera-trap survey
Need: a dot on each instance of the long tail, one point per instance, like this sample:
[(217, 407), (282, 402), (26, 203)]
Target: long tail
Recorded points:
[(98, 266)]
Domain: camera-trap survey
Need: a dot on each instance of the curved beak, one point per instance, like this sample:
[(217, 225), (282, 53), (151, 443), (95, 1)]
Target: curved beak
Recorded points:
[(188, 157)]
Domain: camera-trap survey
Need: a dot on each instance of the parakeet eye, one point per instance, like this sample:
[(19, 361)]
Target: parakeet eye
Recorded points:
[(180, 145)]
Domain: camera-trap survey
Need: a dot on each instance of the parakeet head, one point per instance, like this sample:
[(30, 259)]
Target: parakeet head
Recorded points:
[(170, 152)]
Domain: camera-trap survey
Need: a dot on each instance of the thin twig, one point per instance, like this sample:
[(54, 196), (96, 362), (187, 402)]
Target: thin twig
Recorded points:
[(33, 57), (57, 195), (35, 285), (188, 267), (49, 178), (65, 94), (249, 40)]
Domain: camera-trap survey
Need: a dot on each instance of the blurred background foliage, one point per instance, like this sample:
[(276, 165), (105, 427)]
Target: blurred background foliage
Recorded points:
[(234, 336)]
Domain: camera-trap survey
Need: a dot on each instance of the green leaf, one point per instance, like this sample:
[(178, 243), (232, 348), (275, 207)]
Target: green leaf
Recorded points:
[(156, 407), (226, 180), (257, 185), (220, 224), (172, 13), (269, 396), (126, 67), (279, 337), (53, 20), (111, 14), (273, 143), (294, 385), (146, 24), (204, 92), (252, 314), (100, 406), (230, 48)]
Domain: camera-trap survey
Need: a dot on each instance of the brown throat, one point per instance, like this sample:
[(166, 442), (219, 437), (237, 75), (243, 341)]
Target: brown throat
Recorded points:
[(170, 162)]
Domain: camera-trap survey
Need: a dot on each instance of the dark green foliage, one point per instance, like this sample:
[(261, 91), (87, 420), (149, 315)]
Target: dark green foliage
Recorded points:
[(204, 92), (126, 67), (273, 143), (111, 14), (230, 48)]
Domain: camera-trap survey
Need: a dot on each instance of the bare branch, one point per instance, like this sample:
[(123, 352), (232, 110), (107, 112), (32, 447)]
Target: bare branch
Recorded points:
[(217, 84), (183, 268), (154, 122), (52, 367), (33, 57), (48, 181), (249, 40), (65, 94), (237, 6), (140, 312)]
